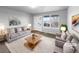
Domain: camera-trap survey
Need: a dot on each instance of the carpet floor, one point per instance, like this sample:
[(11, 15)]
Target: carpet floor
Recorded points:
[(3, 48), (46, 45)]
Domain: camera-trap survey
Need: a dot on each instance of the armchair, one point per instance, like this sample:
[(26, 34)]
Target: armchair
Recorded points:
[(60, 39)]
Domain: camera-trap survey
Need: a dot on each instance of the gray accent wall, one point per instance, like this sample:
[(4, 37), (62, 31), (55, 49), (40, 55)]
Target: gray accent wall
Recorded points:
[(6, 13)]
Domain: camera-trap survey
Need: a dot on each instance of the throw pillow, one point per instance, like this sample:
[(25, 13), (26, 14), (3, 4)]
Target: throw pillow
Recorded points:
[(77, 48), (69, 38), (68, 48), (63, 36), (22, 28), (67, 32), (74, 40), (75, 43), (25, 28), (19, 29), (12, 30), (15, 30)]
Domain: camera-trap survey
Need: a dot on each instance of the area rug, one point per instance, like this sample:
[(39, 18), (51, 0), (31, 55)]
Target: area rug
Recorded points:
[(46, 45)]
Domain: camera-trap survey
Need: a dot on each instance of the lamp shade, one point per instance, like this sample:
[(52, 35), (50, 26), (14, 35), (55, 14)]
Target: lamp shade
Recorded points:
[(2, 29), (29, 26), (63, 28)]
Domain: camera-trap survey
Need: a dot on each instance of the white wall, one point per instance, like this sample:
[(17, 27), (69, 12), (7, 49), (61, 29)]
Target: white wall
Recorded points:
[(6, 13), (74, 10)]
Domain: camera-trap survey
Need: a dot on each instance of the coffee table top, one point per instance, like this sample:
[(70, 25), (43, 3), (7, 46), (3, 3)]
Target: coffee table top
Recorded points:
[(30, 39), (33, 41)]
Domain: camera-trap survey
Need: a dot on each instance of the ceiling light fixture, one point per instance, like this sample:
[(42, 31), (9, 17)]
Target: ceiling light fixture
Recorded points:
[(33, 6)]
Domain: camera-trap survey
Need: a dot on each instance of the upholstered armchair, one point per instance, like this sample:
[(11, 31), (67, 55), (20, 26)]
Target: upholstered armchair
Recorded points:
[(60, 39)]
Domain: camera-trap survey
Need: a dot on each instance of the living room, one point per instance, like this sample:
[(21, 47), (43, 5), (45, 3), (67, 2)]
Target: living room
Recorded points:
[(21, 24)]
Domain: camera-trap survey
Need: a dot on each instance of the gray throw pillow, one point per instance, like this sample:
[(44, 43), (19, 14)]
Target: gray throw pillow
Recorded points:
[(68, 48), (77, 48), (75, 43), (69, 38), (74, 40)]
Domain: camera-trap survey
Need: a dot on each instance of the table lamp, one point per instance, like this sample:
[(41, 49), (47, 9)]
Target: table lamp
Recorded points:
[(28, 26), (2, 30), (63, 28)]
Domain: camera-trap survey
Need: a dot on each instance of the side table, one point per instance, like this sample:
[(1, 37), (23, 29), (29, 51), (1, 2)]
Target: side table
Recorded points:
[(2, 37)]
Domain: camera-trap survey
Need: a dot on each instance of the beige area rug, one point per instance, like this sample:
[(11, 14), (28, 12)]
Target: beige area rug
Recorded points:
[(46, 45)]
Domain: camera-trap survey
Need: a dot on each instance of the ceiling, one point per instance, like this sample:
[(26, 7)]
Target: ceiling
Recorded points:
[(39, 9)]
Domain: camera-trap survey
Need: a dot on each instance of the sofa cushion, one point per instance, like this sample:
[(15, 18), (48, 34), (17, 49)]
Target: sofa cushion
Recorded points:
[(14, 35), (59, 43), (21, 33), (68, 48), (11, 30)]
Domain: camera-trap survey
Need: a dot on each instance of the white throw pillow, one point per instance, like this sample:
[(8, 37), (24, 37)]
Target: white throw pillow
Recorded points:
[(68, 47), (19, 29), (67, 32), (25, 28), (63, 36)]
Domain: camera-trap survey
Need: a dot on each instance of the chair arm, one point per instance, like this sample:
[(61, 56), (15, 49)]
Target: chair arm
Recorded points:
[(58, 34), (58, 38)]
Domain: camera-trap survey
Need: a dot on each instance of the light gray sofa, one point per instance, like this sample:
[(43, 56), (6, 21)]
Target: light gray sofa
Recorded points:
[(15, 33)]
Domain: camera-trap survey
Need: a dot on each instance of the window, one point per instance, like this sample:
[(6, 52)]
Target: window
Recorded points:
[(46, 21), (55, 21), (51, 21)]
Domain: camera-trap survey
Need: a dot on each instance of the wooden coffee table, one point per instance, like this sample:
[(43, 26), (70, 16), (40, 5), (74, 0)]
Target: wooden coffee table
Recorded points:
[(32, 42)]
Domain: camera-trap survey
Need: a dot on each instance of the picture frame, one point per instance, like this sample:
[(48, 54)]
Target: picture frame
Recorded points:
[(14, 21), (75, 22)]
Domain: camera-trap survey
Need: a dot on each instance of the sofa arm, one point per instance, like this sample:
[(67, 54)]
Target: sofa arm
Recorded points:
[(68, 48), (58, 34), (58, 38), (59, 43)]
